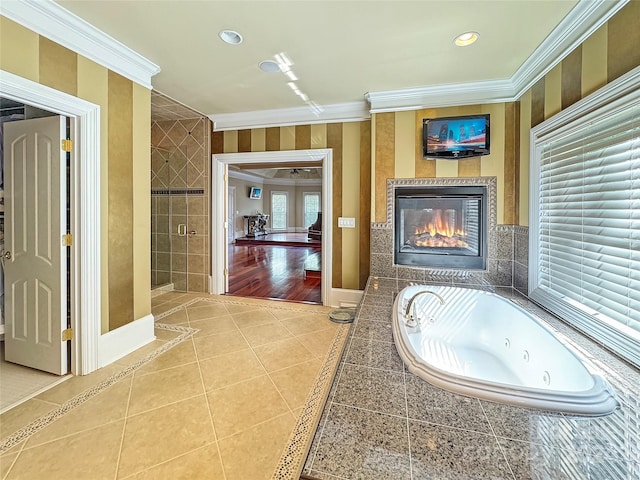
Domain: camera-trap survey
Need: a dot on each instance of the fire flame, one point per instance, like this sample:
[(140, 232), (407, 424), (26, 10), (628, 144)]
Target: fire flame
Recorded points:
[(439, 233)]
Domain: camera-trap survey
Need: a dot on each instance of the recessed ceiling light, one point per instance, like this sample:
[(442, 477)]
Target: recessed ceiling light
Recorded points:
[(231, 37), (269, 66), (466, 39)]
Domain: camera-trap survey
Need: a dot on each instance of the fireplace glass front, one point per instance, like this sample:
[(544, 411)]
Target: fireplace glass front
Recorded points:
[(440, 227)]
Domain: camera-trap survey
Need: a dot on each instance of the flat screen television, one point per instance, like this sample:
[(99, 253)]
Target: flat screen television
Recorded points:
[(456, 137), (255, 193)]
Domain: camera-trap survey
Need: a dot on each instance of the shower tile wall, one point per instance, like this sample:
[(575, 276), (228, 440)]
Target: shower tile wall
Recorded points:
[(181, 260)]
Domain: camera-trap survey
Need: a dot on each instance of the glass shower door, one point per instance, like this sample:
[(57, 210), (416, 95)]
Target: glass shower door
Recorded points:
[(169, 218)]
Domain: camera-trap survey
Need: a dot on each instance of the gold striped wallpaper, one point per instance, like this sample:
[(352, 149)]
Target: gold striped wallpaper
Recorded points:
[(351, 144), (125, 130), (397, 153), (607, 54)]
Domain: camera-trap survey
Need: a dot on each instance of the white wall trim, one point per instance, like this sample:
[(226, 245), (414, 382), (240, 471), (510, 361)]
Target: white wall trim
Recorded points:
[(583, 20), (282, 117), (219, 169), (126, 339), (342, 297), (472, 93), (251, 177), (85, 207), (50, 20)]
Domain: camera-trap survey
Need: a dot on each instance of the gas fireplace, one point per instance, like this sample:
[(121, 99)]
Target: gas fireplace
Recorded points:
[(441, 226)]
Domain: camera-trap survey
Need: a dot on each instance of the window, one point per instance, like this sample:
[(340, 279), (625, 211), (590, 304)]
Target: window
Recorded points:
[(279, 210), (585, 217), (311, 208)]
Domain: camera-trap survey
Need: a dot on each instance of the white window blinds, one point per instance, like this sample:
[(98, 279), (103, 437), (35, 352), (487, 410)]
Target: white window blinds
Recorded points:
[(586, 237)]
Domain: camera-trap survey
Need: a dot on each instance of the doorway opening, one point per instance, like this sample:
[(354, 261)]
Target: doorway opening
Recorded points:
[(35, 212), (85, 257), (274, 253), (264, 251)]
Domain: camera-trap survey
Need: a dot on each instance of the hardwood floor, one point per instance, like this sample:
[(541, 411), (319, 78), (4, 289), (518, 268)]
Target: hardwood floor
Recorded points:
[(273, 272)]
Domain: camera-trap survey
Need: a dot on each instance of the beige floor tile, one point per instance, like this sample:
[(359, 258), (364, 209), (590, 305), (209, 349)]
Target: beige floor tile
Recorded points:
[(164, 307), (319, 342), (263, 334), (164, 387), (159, 435), (91, 454), (224, 370), (15, 449), (176, 318), (169, 297), (282, 354), (203, 310), (253, 318), (307, 323), (219, 344), (22, 415), (139, 354), (102, 409), (211, 326), (165, 335), (282, 314), (182, 354), (76, 385), (254, 453), (203, 463), (243, 405), (245, 307), (294, 383), (6, 462)]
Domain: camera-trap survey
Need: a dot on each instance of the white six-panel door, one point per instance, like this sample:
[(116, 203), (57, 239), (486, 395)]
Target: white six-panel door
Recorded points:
[(35, 259)]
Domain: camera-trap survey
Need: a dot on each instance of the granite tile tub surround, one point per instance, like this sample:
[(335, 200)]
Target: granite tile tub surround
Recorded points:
[(382, 422)]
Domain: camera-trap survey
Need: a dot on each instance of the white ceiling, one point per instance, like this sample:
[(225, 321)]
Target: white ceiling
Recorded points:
[(340, 49)]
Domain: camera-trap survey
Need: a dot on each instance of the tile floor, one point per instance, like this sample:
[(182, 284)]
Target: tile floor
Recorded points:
[(219, 405), (383, 423)]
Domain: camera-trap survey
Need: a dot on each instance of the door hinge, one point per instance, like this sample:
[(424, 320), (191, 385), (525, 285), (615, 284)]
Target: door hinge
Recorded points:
[(67, 334), (67, 145), (67, 240), (226, 272)]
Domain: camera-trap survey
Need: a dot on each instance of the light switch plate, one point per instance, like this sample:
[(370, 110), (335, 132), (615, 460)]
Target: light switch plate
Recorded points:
[(346, 222)]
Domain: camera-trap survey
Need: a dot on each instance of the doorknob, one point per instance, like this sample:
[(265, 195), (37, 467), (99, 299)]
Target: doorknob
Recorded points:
[(7, 255)]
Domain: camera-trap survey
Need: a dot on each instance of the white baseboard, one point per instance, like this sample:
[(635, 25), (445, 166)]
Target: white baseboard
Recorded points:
[(342, 297), (124, 340)]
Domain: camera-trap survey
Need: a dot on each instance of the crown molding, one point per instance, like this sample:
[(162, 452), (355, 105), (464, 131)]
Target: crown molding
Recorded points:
[(249, 177), (472, 93), (54, 22), (303, 182), (282, 117), (584, 19)]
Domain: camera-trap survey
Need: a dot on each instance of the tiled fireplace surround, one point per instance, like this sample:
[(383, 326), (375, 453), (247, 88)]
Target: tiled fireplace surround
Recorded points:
[(508, 245)]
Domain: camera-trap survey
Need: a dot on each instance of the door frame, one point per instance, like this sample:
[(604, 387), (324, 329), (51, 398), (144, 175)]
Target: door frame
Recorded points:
[(219, 184), (231, 226), (86, 256)]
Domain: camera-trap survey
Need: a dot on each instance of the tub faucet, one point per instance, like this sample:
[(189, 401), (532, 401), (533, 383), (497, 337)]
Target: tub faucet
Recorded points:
[(409, 321)]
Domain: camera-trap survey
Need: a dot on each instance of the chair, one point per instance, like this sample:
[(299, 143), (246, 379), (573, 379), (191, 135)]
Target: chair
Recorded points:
[(315, 230)]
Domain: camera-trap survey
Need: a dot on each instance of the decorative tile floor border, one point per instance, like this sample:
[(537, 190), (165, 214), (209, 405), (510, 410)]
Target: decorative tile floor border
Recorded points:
[(292, 460), (185, 333), (40, 423)]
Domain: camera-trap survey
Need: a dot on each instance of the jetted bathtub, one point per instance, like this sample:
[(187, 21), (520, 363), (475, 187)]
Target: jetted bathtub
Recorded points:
[(483, 345)]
